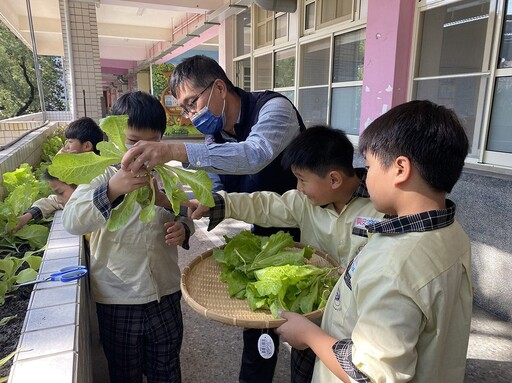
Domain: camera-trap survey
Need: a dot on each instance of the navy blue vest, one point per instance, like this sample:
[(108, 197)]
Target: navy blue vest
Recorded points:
[(273, 177)]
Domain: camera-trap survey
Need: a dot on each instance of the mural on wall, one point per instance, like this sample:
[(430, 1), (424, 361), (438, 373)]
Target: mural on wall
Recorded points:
[(176, 123)]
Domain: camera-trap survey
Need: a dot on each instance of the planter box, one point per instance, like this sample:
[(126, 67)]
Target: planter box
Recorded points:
[(55, 342)]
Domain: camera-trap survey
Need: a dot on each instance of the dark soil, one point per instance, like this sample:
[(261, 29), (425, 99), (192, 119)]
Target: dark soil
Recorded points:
[(16, 303)]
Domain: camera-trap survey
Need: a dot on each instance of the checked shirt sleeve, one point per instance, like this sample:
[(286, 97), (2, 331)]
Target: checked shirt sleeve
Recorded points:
[(343, 352), (217, 212)]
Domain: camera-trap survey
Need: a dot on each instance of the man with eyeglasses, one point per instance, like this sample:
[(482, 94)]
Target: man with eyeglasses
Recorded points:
[(245, 135)]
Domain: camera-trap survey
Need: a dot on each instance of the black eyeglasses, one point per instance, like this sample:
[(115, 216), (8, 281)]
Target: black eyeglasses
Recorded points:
[(192, 104)]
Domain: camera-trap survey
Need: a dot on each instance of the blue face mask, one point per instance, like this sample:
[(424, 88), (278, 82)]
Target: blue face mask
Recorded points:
[(208, 123)]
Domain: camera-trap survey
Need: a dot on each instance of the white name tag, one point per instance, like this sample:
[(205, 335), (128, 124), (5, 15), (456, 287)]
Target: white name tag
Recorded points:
[(266, 346)]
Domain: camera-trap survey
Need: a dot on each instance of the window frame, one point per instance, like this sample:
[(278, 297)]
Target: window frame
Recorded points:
[(480, 156), (318, 24)]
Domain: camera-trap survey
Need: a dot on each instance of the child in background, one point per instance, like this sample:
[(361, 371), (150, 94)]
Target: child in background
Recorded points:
[(135, 278), (82, 135), (402, 310), (328, 206), (62, 191)]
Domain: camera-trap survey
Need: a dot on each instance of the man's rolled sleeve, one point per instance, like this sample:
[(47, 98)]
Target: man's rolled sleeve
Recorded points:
[(198, 156)]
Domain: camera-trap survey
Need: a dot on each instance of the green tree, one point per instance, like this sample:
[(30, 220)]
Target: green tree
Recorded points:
[(18, 85), (160, 81)]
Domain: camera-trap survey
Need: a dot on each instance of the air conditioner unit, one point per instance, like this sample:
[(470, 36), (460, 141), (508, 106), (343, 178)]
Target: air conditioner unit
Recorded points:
[(289, 6)]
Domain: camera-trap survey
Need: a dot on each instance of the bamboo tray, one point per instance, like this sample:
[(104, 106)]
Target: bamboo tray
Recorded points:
[(207, 295)]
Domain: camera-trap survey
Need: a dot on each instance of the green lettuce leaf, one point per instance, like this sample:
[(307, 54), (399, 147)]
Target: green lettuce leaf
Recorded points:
[(26, 275), (79, 168), (36, 235), (114, 127), (22, 176), (198, 181), (275, 243), (121, 214), (84, 167), (147, 213), (108, 149), (273, 275), (289, 257)]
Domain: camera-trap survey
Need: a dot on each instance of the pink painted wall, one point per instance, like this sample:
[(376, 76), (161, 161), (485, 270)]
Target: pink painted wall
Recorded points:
[(387, 54)]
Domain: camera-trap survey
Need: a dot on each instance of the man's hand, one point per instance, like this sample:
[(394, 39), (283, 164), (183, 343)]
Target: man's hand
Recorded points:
[(148, 154), (176, 233), (196, 210), (124, 182)]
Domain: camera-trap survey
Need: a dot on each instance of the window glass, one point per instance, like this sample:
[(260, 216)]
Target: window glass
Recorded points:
[(346, 109), (313, 105), (335, 9), (453, 38), (315, 63), (349, 57), (263, 72), (281, 26), (264, 22), (500, 131), (461, 94), (243, 33), (284, 68), (289, 94), (243, 74), (309, 17), (505, 59)]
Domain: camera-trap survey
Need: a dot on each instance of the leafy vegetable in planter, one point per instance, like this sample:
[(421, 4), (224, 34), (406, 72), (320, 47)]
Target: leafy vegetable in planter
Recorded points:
[(10, 272), (84, 167), (23, 186), (23, 189), (271, 275)]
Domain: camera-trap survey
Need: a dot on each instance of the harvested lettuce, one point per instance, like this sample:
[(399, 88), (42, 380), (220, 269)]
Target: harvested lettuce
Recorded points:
[(272, 275)]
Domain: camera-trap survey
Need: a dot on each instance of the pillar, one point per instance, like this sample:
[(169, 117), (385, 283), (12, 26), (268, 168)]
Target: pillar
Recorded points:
[(81, 57), (387, 56)]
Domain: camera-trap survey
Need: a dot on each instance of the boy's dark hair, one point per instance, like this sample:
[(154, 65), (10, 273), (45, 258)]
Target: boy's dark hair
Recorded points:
[(430, 135), (85, 129), (48, 177), (144, 111), (320, 149), (200, 71)]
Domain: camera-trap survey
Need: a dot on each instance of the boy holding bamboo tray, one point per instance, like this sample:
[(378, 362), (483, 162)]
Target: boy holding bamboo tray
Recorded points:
[(330, 206)]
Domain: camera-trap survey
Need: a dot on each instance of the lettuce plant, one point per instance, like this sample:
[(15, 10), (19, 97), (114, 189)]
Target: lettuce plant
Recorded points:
[(10, 272), (271, 275), (84, 167), (23, 189)]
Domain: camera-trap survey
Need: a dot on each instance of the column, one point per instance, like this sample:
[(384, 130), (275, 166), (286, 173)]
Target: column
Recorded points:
[(81, 57), (387, 58)]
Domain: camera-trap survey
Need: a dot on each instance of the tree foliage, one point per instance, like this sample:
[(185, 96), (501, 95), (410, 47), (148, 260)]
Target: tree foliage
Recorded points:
[(18, 85)]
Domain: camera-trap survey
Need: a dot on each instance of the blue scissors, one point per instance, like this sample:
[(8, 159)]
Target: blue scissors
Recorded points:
[(66, 274)]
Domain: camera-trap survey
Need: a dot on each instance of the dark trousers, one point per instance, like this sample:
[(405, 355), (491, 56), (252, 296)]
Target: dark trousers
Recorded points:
[(142, 339), (302, 364), (256, 369)]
